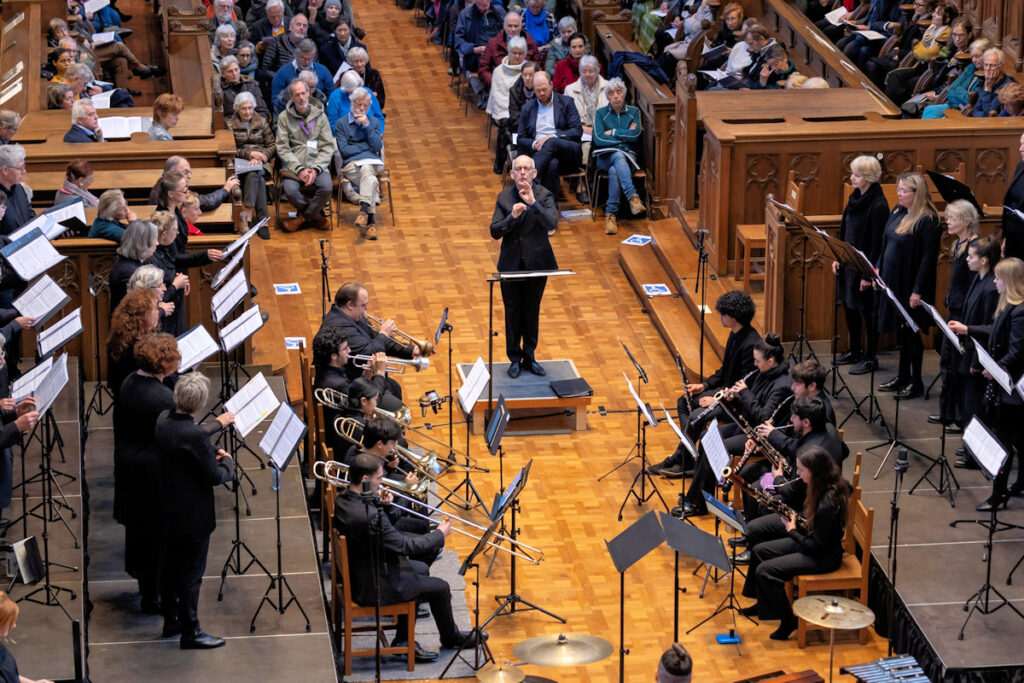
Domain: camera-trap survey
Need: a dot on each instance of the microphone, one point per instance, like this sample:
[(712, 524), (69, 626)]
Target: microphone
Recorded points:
[(367, 490), (902, 464)]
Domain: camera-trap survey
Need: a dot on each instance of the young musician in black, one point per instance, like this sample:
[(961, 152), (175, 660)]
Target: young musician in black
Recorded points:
[(736, 311), (808, 379), (1004, 338), (780, 549), (910, 249)]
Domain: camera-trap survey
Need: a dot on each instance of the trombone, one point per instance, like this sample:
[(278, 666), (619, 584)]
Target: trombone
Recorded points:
[(471, 462), (333, 398), (336, 473), (395, 366), (426, 347), (326, 473)]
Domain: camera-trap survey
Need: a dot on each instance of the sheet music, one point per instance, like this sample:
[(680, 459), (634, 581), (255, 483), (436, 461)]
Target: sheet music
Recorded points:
[(714, 74), (251, 404), (341, 70), (195, 346), (51, 384), (124, 126), (45, 222), (283, 436), (103, 38), (714, 449), (31, 255), (906, 316), (469, 392), (226, 298), (25, 386), (246, 166), (675, 428), (835, 17), (60, 333), (64, 212), (640, 403), (872, 35), (988, 362), (102, 100), (222, 274), (950, 335), (985, 447), (41, 300), (238, 243), (240, 329), (94, 6)]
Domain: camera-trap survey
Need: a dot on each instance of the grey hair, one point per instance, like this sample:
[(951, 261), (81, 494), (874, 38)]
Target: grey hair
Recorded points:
[(566, 22), (146, 277), (358, 94), (356, 52), (591, 61), (613, 84), (78, 108), (79, 70), (10, 119), (350, 80), (225, 29), (172, 163), (305, 45), (291, 87), (273, 3), (191, 392), (11, 155), (229, 60), (243, 97), (68, 40), (108, 204), (309, 77), (517, 43), (139, 237), (998, 53)]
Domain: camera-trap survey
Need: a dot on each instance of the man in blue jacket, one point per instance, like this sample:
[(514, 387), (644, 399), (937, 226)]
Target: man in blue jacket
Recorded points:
[(305, 59), (360, 144), (85, 123), (995, 78), (550, 131), (477, 24)]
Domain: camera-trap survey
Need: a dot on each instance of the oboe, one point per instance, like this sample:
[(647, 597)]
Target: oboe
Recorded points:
[(722, 395), (686, 387), (768, 502)]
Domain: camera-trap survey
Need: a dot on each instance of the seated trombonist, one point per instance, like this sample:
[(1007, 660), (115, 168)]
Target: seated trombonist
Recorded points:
[(363, 506), (380, 436)]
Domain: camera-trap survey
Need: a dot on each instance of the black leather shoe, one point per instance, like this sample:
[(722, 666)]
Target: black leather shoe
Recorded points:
[(171, 629), (469, 638), (691, 510), (514, 369), (536, 369), (738, 541), (892, 384), (952, 429), (583, 198), (848, 357), (785, 629), (987, 505), (966, 463), (420, 655), (422, 612), (935, 419), (201, 641), (672, 471), (667, 462), (911, 391), (863, 368), (263, 233), (743, 558), (750, 611), (676, 512)]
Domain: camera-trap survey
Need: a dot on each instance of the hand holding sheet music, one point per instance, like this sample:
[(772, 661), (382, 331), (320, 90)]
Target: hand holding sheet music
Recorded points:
[(25, 386)]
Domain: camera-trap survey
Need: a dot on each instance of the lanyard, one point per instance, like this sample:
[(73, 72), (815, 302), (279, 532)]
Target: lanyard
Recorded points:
[(305, 129)]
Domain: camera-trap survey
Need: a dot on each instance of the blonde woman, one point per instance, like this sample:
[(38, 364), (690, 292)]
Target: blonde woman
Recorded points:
[(907, 264), (8, 620)]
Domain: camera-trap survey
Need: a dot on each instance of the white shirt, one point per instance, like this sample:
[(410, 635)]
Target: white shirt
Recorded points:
[(546, 118)]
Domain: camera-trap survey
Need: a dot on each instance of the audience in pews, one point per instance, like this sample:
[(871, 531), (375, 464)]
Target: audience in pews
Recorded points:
[(60, 96), (498, 47), (112, 216), (233, 83), (935, 44), (10, 121), (559, 47), (255, 142), (969, 80), (550, 131), (305, 60), (223, 14), (477, 24), (279, 51), (336, 47), (248, 62), (993, 62), (1011, 98), (775, 71), (262, 29), (568, 70), (539, 24), (617, 129), (306, 148), (222, 45), (85, 123), (360, 145), (78, 177)]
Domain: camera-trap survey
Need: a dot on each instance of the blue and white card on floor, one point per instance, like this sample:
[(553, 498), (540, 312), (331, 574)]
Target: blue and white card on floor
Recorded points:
[(287, 288), (637, 240), (657, 290), (295, 343)]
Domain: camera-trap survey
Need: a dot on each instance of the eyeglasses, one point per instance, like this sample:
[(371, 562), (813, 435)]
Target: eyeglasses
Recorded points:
[(522, 169)]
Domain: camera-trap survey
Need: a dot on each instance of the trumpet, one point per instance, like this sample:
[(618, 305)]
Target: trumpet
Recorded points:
[(395, 366), (333, 398), (336, 474), (426, 347), (769, 502)]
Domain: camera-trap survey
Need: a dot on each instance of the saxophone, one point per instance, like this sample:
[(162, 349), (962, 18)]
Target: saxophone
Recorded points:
[(761, 443), (767, 501)]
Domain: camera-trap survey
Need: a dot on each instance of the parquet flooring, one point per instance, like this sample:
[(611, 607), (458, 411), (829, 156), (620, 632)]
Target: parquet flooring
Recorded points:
[(439, 255)]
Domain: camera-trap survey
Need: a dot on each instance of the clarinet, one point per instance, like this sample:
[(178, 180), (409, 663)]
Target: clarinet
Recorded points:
[(761, 443), (686, 387), (722, 395), (768, 502)]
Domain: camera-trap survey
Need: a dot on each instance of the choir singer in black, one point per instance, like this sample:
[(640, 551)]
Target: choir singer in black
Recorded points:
[(525, 214)]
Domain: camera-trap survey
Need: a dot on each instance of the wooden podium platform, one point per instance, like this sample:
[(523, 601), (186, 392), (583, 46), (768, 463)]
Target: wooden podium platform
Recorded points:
[(529, 392)]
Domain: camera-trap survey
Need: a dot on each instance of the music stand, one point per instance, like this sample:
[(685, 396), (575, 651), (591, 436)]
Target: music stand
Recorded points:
[(641, 376), (811, 236), (643, 476), (629, 547)]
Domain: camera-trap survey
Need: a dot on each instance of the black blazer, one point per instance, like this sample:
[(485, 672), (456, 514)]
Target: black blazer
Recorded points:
[(827, 438), (363, 340), (1013, 226), (189, 469), (979, 309), (1005, 342), (79, 134), (738, 359), (398, 578), (120, 272), (568, 125), (140, 402), (524, 240)]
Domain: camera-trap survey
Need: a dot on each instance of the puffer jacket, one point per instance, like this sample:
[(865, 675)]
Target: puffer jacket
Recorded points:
[(253, 136), (292, 141)]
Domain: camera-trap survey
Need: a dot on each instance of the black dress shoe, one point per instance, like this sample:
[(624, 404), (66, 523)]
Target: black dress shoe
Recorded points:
[(467, 638), (691, 510), (676, 512), (667, 462), (848, 357), (536, 369), (171, 629), (420, 655), (966, 463), (952, 429), (785, 629), (892, 384), (738, 541), (582, 197), (422, 612), (743, 558), (910, 391), (201, 641), (750, 611), (514, 369), (935, 419), (987, 505), (672, 471), (863, 368), (263, 233)]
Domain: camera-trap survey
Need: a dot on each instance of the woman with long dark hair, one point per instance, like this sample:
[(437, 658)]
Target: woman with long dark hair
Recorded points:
[(907, 264), (780, 549)]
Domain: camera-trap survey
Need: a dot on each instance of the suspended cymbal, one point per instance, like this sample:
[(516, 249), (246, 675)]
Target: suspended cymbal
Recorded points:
[(505, 673), (563, 650), (832, 612)]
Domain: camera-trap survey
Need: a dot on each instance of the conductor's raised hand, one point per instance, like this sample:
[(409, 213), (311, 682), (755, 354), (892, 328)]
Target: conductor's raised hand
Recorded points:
[(517, 209), (526, 192)]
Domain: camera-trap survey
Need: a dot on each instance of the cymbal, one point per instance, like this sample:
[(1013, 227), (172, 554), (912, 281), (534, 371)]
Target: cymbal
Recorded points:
[(505, 673), (833, 612), (563, 650)]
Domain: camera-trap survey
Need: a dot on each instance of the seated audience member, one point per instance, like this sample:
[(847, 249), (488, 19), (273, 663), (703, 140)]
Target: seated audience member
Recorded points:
[(115, 60), (166, 110), (477, 24), (270, 25), (233, 83), (223, 45), (337, 46), (254, 141), (519, 94), (508, 73), (883, 17), (138, 244), (57, 63), (568, 70), (80, 78), (78, 177), (934, 45), (208, 201), (731, 31), (151, 278), (909, 30), (1011, 97), (327, 20), (359, 60), (996, 79), (85, 123), (969, 79), (305, 59), (550, 131), (59, 96), (539, 24), (559, 47), (683, 21), (19, 207), (280, 50), (310, 79), (9, 124), (777, 68), (675, 665), (617, 130), (338, 103), (745, 60), (112, 216), (796, 81), (588, 93), (359, 139), (497, 47), (223, 14), (248, 62), (306, 147)]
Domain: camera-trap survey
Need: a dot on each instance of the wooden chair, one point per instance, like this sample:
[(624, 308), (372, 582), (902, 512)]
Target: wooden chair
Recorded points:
[(341, 597), (754, 236), (852, 575)]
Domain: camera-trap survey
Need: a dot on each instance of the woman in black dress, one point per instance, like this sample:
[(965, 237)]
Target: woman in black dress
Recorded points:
[(1004, 338), (962, 224), (780, 550), (136, 316), (142, 398), (137, 245), (8, 620), (176, 284), (863, 223), (909, 255)]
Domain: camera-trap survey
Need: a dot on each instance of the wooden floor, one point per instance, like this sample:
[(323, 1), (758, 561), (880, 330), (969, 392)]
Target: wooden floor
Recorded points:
[(439, 255)]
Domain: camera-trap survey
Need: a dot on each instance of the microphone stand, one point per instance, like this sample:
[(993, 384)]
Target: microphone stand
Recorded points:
[(701, 288), (471, 492), (96, 402), (325, 285), (899, 467)]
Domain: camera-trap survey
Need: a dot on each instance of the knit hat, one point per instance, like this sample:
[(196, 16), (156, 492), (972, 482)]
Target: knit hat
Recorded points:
[(336, 3)]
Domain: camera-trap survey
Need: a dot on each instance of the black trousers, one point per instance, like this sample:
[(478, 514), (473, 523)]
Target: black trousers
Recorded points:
[(950, 406), (181, 576), (775, 558), (857, 322), (438, 594), (704, 477), (911, 356), (970, 398), (522, 317), (555, 157), (142, 559)]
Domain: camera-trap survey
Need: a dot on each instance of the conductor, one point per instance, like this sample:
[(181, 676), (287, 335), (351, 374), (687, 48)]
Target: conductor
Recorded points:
[(524, 215)]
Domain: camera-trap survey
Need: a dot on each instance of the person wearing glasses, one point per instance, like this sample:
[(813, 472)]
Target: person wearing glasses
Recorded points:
[(12, 173)]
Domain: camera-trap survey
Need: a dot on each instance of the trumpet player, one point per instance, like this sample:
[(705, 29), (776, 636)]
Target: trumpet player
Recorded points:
[(780, 549), (368, 523), (735, 311)]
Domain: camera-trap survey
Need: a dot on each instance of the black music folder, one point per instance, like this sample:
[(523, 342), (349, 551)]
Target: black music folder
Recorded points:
[(952, 189), (576, 387)]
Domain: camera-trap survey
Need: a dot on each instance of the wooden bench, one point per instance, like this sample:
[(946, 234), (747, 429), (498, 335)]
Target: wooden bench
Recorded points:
[(190, 66), (38, 126), (45, 184), (131, 155)]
